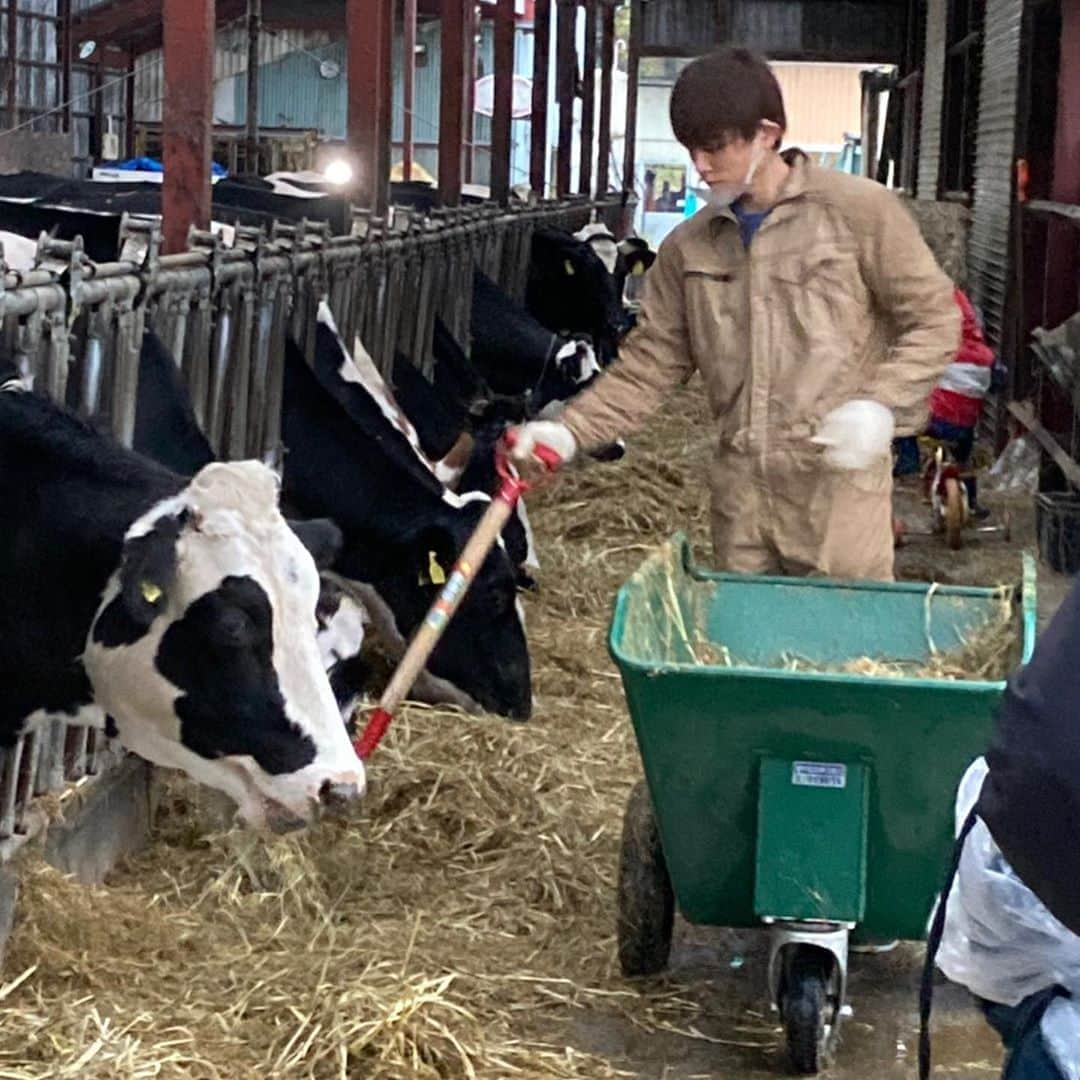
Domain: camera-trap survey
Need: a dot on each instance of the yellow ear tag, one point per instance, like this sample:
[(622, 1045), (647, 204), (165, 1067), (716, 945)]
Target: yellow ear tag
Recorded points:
[(639, 269), (568, 266), (435, 571), (151, 593)]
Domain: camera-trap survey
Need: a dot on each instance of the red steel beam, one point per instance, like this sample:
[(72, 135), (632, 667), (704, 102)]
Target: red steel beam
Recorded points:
[(472, 25), (386, 105), (64, 44), (565, 85), (188, 27), (607, 61), (452, 101), (1061, 240), (369, 83), (251, 132), (129, 107), (588, 99), (13, 65), (541, 63), (502, 115), (408, 56)]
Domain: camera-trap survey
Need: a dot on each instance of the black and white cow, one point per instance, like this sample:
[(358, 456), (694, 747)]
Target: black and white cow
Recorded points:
[(570, 291), (349, 458), (183, 610), (623, 259), (516, 355), (167, 431)]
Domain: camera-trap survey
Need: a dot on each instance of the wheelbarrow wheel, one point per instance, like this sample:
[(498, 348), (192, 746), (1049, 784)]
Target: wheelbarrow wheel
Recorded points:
[(954, 514), (646, 901), (805, 1008)]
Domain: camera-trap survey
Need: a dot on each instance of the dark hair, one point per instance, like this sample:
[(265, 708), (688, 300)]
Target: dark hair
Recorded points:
[(724, 96)]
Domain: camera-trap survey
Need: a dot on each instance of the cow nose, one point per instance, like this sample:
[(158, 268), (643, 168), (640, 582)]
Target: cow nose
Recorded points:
[(337, 796)]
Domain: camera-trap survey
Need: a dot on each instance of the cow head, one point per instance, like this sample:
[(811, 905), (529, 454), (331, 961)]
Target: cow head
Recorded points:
[(204, 652), (486, 656)]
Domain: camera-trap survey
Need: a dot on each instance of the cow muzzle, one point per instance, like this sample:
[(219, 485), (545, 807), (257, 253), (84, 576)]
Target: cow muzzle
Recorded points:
[(336, 797)]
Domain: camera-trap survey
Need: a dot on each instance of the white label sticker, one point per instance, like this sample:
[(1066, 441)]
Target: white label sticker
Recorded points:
[(816, 774)]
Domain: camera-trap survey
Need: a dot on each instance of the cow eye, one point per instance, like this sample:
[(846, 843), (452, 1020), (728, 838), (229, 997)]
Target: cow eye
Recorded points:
[(235, 629)]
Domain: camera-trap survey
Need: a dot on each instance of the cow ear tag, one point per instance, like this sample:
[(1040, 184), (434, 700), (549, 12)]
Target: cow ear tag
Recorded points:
[(568, 266), (435, 573), (151, 593), (639, 269)]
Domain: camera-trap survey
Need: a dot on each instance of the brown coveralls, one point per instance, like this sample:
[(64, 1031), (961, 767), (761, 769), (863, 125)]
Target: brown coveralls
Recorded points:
[(838, 297)]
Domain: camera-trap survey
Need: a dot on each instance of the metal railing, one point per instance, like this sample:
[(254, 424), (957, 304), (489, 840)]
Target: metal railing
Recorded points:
[(223, 312)]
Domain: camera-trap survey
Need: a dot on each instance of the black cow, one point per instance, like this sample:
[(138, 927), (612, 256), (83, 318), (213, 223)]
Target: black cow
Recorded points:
[(184, 610), (571, 292), (518, 357), (167, 431), (349, 460)]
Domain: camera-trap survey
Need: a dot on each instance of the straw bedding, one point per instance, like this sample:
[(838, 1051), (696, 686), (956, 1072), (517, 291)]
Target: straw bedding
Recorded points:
[(460, 925)]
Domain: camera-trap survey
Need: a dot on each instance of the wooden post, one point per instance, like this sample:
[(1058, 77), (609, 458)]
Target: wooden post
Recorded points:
[(451, 101), (251, 132), (408, 87), (541, 61), (565, 80), (607, 63), (188, 32), (502, 109), (588, 100)]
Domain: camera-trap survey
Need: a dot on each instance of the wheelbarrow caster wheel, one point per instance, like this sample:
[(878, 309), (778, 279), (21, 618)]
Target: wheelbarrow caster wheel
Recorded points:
[(806, 1009), (646, 901)]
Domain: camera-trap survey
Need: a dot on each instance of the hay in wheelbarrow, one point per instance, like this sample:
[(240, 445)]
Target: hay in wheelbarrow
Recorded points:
[(989, 652)]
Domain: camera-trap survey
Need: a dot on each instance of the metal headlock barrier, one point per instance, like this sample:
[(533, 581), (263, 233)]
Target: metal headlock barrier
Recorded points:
[(76, 327)]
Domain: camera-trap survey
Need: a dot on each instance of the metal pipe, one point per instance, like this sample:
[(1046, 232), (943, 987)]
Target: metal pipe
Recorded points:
[(607, 62), (633, 67), (408, 87), (251, 128), (588, 100), (565, 79)]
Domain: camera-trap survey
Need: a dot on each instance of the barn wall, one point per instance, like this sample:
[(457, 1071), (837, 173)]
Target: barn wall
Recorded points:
[(945, 228), (933, 97)]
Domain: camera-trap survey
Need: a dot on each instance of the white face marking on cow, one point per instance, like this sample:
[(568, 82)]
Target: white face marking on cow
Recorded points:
[(532, 559), (583, 352), (235, 530), (343, 634), (602, 242)]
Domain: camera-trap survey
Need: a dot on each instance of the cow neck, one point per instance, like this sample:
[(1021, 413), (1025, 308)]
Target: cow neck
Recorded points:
[(73, 466)]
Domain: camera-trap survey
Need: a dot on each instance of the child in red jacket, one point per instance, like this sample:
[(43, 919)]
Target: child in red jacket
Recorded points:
[(956, 402)]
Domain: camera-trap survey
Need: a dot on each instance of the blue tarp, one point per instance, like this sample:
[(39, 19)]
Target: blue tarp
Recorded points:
[(145, 164)]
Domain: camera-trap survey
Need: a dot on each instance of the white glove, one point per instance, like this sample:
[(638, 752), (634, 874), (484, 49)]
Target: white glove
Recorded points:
[(555, 436), (856, 434)]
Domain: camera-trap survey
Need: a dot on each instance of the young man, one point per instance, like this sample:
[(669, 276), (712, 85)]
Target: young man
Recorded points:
[(817, 318)]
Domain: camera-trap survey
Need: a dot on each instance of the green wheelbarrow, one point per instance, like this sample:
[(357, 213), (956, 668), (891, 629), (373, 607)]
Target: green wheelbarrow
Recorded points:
[(813, 803)]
